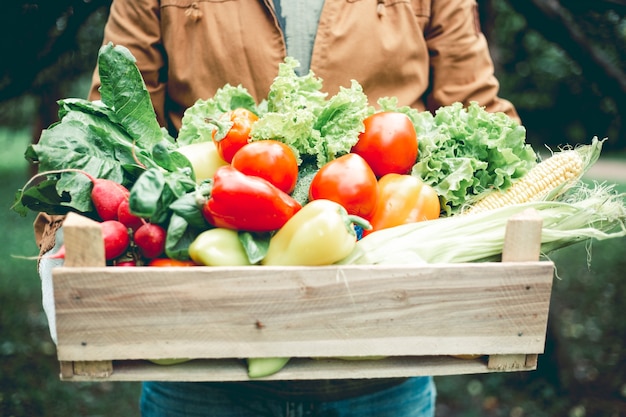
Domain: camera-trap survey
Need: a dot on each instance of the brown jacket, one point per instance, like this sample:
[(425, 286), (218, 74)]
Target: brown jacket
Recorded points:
[(428, 53)]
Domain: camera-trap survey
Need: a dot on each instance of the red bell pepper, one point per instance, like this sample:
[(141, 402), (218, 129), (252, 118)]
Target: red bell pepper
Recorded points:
[(244, 202)]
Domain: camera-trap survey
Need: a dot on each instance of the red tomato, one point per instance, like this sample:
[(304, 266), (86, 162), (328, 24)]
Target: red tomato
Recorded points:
[(388, 144), (163, 262), (349, 181), (238, 135), (271, 160)]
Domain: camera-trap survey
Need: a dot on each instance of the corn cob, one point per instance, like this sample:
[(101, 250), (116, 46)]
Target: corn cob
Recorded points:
[(545, 181)]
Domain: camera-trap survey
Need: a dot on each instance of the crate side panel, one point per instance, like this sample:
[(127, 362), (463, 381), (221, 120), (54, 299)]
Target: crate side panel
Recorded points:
[(138, 313)]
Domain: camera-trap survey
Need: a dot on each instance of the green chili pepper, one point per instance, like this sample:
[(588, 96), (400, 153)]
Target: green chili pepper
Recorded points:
[(321, 233), (218, 247)]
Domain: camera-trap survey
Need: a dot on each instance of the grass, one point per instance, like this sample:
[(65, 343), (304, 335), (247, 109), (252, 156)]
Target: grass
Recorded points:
[(581, 374)]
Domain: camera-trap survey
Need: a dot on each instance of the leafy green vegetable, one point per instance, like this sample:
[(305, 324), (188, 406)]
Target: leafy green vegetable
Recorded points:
[(466, 151), (123, 90), (195, 127), (117, 138), (154, 192), (289, 91), (300, 115)]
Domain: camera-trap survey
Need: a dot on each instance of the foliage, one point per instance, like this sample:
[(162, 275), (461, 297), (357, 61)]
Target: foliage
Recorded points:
[(562, 95)]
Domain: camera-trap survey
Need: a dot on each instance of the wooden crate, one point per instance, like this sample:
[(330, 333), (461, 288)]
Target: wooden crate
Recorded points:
[(110, 320)]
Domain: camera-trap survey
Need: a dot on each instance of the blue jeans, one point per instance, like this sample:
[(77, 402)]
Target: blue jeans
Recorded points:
[(413, 398)]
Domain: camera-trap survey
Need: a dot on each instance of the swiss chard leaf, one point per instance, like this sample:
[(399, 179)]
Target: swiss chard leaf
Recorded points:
[(124, 91)]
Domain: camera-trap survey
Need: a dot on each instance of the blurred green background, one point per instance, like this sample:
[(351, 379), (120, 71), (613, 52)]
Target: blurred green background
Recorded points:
[(561, 63)]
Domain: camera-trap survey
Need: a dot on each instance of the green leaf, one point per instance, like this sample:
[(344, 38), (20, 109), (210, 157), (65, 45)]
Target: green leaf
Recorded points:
[(145, 195), (255, 245), (123, 90), (42, 198), (189, 209), (178, 238)]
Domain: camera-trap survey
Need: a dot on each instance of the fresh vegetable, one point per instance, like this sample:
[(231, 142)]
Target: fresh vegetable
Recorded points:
[(218, 247), (321, 233), (150, 240), (127, 218), (242, 202), (465, 151), (168, 262), (349, 181), (546, 180), (204, 159), (403, 199), (116, 239), (388, 143), (270, 160), (262, 367), (111, 139), (106, 196), (583, 213), (306, 173), (124, 262), (233, 132), (299, 114)]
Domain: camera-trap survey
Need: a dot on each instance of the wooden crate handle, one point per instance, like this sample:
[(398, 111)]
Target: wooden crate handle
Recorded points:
[(83, 242), (84, 246), (522, 243)]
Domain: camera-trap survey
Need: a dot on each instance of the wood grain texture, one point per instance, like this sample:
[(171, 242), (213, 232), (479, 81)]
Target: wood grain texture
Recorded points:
[(204, 312), (115, 318)]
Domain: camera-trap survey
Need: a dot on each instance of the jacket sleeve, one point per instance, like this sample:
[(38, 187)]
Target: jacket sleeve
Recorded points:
[(461, 66), (136, 25)]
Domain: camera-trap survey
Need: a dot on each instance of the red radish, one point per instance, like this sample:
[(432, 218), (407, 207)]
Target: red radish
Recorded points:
[(106, 195), (116, 241), (127, 218), (116, 238), (150, 239)]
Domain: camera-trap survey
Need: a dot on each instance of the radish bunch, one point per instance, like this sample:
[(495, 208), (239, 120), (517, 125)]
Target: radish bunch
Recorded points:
[(123, 232)]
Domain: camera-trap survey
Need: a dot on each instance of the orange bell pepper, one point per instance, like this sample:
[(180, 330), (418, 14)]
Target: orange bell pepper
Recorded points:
[(402, 199)]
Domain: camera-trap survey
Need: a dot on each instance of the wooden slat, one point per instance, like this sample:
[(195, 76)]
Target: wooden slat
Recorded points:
[(297, 368), (138, 313)]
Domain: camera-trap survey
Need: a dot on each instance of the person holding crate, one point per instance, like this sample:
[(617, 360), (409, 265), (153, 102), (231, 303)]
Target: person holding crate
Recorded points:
[(427, 53)]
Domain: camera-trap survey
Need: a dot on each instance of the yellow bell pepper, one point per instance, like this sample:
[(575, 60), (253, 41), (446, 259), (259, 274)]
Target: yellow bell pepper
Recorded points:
[(204, 159), (218, 247), (321, 233)]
